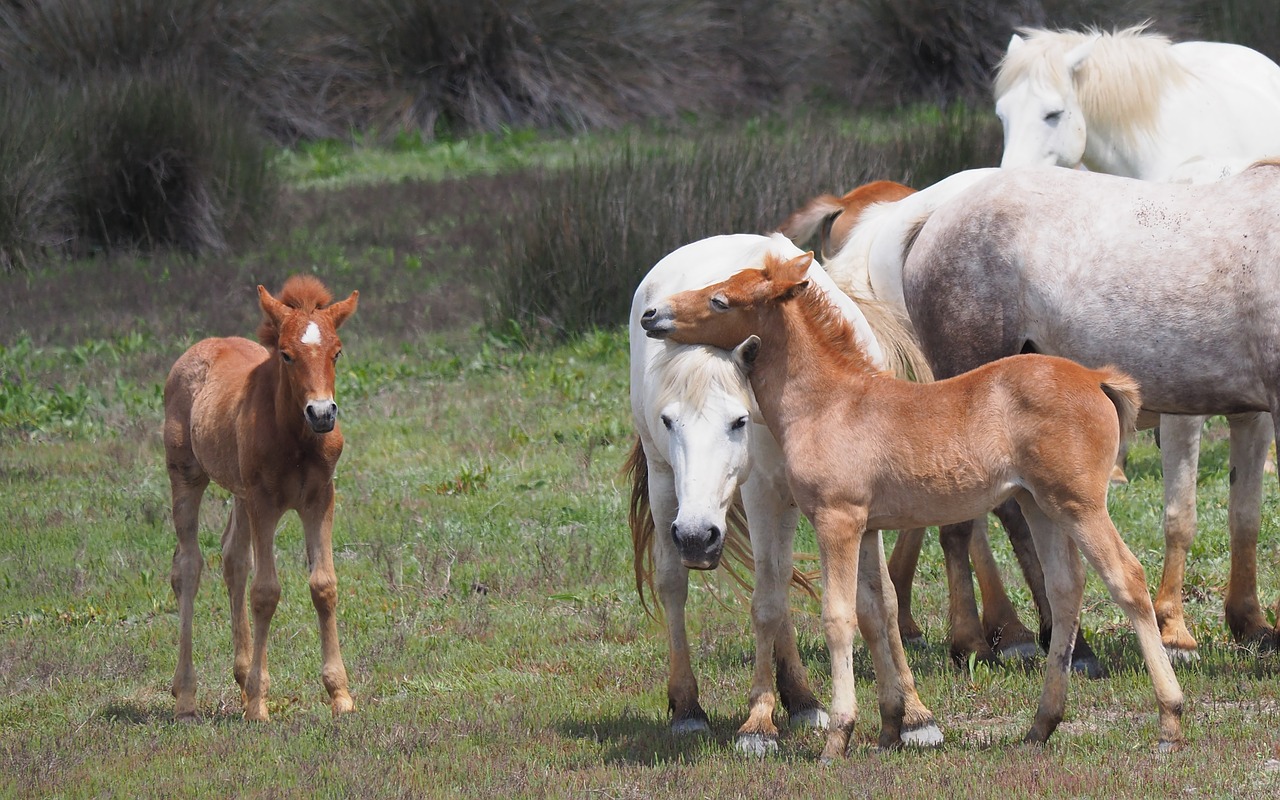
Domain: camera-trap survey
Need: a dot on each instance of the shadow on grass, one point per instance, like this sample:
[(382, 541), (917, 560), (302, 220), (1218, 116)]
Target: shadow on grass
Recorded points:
[(631, 739), (153, 714)]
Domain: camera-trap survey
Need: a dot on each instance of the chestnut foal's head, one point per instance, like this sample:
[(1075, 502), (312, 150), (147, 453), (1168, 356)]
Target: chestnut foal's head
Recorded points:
[(724, 314), (302, 327)]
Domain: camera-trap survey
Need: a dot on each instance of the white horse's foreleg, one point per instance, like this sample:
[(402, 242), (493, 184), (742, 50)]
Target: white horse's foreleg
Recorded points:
[(1179, 459), (839, 532), (672, 582), (1004, 631), (1250, 438)]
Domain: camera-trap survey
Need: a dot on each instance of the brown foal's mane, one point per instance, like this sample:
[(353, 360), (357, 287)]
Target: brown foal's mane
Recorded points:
[(303, 292), (836, 336)]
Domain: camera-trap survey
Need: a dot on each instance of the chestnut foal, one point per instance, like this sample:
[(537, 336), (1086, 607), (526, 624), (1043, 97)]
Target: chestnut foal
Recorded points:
[(260, 421), (865, 451)]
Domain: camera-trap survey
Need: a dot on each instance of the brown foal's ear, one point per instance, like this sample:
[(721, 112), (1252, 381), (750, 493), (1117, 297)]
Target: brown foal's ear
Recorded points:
[(338, 312), (273, 308)]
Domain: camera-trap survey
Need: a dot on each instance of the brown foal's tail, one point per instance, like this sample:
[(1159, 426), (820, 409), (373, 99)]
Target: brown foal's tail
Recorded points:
[(737, 541), (1124, 393)]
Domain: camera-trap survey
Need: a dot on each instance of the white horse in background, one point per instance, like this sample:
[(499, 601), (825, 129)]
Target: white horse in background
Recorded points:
[(1131, 103), (699, 448)]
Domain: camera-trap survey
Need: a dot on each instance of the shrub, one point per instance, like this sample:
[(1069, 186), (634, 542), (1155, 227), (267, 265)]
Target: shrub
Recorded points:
[(160, 162), (574, 261), (34, 210), (463, 65)]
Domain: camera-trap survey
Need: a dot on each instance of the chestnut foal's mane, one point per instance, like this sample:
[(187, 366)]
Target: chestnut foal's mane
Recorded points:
[(303, 292), (836, 338)]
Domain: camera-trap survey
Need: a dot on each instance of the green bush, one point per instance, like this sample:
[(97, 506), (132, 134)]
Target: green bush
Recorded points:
[(573, 262)]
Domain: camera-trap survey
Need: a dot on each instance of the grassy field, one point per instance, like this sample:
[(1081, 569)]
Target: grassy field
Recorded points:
[(486, 609)]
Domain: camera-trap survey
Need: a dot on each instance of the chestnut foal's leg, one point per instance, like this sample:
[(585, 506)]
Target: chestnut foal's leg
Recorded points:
[(187, 488), (317, 527), (264, 596), (672, 584), (902, 570), (839, 532), (1000, 624), (237, 562)]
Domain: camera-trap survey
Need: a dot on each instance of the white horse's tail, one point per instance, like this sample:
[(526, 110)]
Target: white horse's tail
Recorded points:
[(737, 543)]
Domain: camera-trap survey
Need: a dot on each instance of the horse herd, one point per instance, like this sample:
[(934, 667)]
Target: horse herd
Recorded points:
[(984, 344)]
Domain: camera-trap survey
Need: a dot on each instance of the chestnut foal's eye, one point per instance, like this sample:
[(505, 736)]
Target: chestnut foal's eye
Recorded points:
[(286, 358), (718, 303), (335, 355), (738, 424)]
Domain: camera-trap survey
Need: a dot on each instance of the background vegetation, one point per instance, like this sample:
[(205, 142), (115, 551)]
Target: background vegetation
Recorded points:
[(494, 178)]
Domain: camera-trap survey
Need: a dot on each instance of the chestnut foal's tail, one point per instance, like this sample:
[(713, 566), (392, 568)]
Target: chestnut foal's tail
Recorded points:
[(1124, 393), (737, 541)]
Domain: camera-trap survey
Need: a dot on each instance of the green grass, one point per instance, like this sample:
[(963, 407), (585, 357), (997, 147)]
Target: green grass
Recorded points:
[(486, 608)]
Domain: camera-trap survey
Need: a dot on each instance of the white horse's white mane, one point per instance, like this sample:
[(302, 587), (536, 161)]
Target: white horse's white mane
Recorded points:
[(692, 373), (1119, 85)]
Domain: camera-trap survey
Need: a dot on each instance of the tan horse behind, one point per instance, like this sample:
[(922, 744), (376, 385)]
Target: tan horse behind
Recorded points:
[(836, 217), (260, 421), (865, 452)]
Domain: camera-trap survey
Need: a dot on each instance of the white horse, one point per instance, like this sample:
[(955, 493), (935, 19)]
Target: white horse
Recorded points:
[(1131, 103), (699, 448)]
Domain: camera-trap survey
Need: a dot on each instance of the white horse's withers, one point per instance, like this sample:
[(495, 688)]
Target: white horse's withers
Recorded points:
[(1131, 103), (698, 448)]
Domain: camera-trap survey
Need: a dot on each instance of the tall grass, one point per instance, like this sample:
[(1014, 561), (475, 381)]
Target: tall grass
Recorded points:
[(573, 261)]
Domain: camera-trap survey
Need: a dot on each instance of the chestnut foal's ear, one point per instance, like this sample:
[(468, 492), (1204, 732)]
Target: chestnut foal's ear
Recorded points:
[(338, 312), (273, 308), (745, 354)]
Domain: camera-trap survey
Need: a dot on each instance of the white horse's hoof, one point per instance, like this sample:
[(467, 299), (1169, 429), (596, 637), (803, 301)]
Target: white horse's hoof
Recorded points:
[(756, 745), (1019, 652), (1181, 655), (810, 718), (925, 736), (693, 726)]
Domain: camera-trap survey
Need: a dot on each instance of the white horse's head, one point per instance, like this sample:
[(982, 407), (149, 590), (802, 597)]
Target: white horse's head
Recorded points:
[(701, 420), (1036, 101)]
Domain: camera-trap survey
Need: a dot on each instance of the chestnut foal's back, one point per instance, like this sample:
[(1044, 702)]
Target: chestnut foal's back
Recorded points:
[(865, 451), (260, 421)]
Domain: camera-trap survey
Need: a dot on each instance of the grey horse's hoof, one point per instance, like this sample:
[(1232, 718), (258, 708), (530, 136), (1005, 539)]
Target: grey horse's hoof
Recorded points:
[(756, 745), (928, 735), (690, 726), (1023, 651), (810, 718)]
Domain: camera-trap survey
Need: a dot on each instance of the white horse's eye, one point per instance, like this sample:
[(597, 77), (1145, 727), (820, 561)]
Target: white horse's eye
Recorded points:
[(1053, 117), (666, 422), (718, 303), (738, 424)]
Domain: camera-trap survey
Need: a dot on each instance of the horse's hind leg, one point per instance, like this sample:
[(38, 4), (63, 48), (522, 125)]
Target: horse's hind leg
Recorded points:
[(187, 483), (237, 561), (264, 596), (1083, 659), (903, 717), (902, 570), (317, 526), (967, 636), (1127, 583), (1064, 587), (1250, 438), (1004, 631), (672, 585), (1179, 460)]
